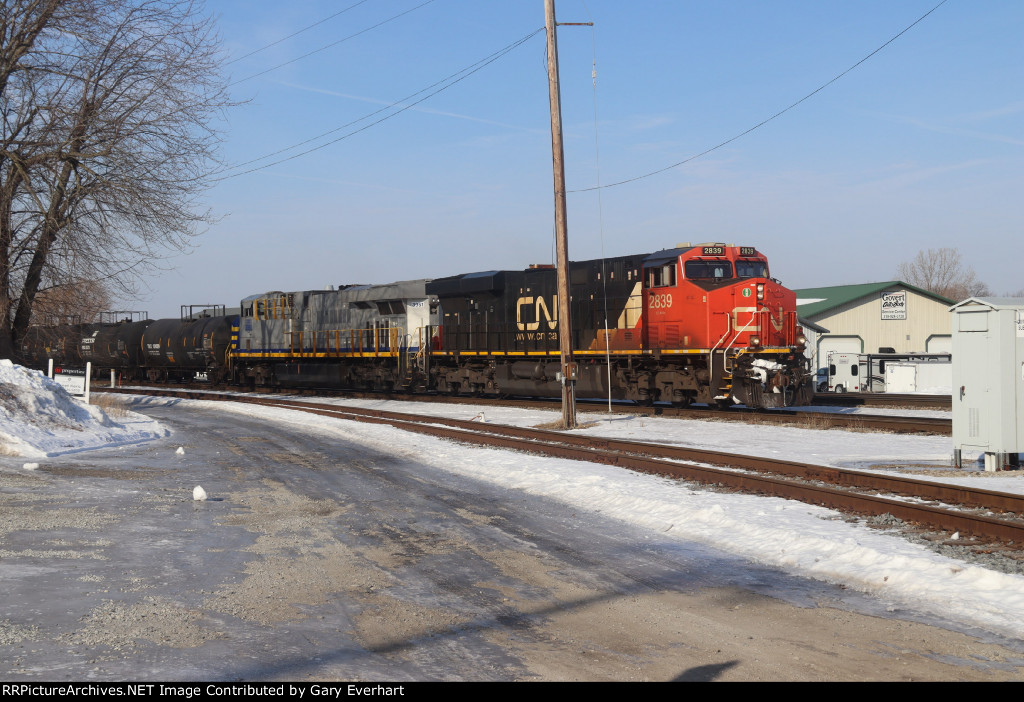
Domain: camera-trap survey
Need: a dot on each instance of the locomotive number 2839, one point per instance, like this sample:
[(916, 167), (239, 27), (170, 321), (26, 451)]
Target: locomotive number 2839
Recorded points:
[(661, 301)]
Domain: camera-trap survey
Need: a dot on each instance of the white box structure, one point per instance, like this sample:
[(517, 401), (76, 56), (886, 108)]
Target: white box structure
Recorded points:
[(910, 377), (988, 380)]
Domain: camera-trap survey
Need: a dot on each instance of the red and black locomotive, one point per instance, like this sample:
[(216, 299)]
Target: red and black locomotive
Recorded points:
[(697, 323)]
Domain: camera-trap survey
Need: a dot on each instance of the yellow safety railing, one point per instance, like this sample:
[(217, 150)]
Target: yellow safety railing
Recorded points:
[(372, 340)]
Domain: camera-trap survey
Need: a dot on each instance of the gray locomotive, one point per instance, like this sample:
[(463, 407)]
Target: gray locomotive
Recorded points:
[(361, 336)]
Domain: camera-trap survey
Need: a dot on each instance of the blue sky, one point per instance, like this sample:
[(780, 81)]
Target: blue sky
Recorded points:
[(921, 146)]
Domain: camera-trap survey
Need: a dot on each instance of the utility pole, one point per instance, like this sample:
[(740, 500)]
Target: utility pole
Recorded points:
[(561, 226)]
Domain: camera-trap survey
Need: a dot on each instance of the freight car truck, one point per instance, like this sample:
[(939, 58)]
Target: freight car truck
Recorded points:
[(889, 372)]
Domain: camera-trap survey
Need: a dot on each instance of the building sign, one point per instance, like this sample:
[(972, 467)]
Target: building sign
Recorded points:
[(71, 379), (894, 305)]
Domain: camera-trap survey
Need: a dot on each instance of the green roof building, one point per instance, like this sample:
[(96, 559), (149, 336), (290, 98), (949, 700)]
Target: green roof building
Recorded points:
[(871, 316)]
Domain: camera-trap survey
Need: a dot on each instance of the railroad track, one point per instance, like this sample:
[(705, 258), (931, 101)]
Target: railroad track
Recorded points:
[(826, 420), (876, 399), (801, 419), (952, 508)]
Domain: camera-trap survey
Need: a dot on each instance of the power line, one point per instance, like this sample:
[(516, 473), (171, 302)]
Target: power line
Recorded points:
[(333, 43), (295, 34), (766, 121), (445, 83)]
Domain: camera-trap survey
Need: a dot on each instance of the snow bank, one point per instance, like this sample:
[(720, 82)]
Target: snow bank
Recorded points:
[(38, 418)]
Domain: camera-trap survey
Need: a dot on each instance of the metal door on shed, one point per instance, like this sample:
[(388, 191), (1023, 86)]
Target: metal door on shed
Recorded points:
[(974, 399)]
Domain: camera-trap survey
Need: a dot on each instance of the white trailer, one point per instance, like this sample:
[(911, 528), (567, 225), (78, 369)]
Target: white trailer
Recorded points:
[(922, 377), (845, 372), (889, 372)]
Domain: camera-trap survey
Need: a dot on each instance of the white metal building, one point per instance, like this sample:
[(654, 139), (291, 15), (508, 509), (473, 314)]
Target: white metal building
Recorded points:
[(871, 316)]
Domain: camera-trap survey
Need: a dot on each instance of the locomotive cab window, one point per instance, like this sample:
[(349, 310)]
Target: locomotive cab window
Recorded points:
[(708, 269), (751, 269), (662, 276)]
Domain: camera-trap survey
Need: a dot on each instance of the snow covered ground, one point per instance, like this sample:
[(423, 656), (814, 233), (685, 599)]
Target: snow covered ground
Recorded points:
[(797, 538), (38, 419), (842, 449)]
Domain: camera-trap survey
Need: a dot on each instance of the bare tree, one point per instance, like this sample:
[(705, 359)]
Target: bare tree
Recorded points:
[(943, 272), (76, 301), (107, 142)]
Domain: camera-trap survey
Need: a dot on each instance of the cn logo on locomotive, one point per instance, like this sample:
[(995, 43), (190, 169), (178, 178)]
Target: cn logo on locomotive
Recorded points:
[(540, 312)]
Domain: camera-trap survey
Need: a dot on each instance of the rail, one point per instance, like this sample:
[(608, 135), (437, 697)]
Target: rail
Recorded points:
[(854, 491)]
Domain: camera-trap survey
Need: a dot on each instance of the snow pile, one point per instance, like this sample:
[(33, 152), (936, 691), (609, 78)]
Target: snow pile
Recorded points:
[(38, 418)]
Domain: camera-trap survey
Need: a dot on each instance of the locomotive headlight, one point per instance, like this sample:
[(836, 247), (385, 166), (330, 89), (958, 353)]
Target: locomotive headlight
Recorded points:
[(760, 291), (801, 340), (755, 341)]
